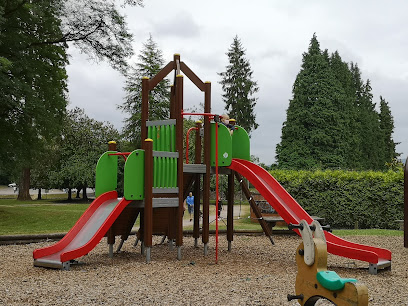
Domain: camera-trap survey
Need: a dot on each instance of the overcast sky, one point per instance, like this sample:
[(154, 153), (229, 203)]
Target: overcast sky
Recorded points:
[(373, 34)]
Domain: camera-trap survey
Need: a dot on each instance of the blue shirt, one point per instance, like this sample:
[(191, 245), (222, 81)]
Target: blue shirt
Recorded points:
[(190, 200)]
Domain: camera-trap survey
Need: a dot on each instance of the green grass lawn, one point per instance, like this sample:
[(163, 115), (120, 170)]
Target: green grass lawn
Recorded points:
[(55, 215), (36, 217)]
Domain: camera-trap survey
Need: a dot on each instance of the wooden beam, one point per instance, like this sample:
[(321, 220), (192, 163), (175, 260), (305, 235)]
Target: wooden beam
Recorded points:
[(148, 206), (161, 75), (144, 110), (230, 209), (255, 208), (197, 200), (192, 76), (207, 162), (179, 149)]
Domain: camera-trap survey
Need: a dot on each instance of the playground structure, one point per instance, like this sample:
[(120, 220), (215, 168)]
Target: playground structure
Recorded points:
[(156, 182), (313, 281)]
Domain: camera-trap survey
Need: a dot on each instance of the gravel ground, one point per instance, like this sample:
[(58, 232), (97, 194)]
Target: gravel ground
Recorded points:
[(254, 273)]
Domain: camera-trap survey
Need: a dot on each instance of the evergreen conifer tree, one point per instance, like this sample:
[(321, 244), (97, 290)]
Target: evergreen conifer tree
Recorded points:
[(313, 133), (150, 63), (349, 109), (387, 128), (371, 141), (239, 87)]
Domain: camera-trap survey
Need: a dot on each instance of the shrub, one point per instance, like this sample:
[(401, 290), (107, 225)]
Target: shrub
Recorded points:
[(346, 198)]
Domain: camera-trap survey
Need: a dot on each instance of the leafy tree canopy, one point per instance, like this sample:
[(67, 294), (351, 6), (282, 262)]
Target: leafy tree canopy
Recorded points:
[(83, 141)]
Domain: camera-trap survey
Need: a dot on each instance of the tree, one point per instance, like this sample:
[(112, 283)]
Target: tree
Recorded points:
[(371, 142), (239, 88), (312, 135), (98, 29), (150, 63), (34, 36), (83, 141), (332, 120), (349, 109), (32, 82), (387, 128)]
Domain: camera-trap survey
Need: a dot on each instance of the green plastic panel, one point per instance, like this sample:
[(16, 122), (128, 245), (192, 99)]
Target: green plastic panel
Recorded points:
[(106, 173), (224, 145), (164, 172), (240, 144), (134, 176), (332, 281), (173, 138)]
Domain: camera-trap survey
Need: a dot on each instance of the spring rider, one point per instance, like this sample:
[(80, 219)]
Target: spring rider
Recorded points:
[(313, 280)]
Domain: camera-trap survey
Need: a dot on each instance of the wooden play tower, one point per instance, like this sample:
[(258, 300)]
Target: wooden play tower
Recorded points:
[(167, 180)]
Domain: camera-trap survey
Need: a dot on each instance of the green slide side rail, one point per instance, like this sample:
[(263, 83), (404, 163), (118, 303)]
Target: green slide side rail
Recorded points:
[(240, 144), (134, 176), (224, 145), (106, 177), (332, 281)]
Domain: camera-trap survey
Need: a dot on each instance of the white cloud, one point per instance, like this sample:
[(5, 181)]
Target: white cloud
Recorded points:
[(275, 34)]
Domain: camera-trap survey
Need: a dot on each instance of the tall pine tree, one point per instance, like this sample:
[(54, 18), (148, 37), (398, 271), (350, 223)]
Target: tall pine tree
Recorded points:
[(351, 142), (150, 63), (371, 142), (239, 87), (332, 120), (387, 128), (313, 134)]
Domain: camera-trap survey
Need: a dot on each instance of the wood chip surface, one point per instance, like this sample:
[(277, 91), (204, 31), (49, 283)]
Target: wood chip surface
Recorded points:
[(253, 273)]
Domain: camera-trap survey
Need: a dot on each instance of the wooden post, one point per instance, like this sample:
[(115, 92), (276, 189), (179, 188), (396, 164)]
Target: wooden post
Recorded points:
[(145, 109), (179, 148), (148, 205), (245, 189), (406, 204), (112, 146), (230, 210), (207, 161), (172, 102), (197, 183)]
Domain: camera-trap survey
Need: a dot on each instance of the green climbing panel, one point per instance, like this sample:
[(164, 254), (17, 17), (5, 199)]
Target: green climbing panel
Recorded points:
[(240, 144), (224, 145), (164, 137), (332, 281), (134, 176), (106, 177), (164, 172)]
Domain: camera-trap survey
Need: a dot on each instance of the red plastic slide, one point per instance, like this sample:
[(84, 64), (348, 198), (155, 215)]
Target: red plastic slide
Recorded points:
[(292, 212), (85, 234)]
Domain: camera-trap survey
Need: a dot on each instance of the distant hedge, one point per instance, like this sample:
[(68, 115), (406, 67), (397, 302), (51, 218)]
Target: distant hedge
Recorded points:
[(373, 199)]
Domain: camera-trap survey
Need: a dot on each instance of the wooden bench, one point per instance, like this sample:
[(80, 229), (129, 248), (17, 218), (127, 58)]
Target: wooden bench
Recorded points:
[(272, 220)]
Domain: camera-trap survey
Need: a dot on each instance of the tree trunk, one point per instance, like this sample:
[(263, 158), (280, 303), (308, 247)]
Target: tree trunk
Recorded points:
[(24, 187), (84, 195), (69, 194), (78, 192), (39, 194)]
